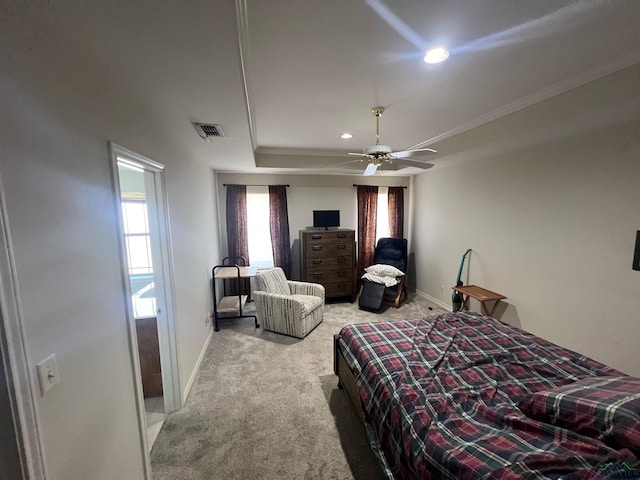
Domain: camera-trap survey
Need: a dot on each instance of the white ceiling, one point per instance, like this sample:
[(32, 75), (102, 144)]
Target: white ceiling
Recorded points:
[(314, 68)]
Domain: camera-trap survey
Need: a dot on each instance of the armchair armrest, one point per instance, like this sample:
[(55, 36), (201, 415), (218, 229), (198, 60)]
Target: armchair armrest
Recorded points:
[(306, 288)]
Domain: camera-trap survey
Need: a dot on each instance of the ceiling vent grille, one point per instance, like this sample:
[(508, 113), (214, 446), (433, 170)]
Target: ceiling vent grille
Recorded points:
[(208, 130)]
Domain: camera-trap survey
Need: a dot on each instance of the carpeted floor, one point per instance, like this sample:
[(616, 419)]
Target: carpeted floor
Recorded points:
[(267, 406)]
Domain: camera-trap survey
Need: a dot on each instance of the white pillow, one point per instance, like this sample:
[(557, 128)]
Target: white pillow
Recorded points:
[(384, 270), (385, 280)]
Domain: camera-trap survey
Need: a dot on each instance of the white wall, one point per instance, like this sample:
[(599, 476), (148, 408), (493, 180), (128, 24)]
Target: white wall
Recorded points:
[(55, 170), (552, 224), (305, 194), (61, 214), (194, 230)]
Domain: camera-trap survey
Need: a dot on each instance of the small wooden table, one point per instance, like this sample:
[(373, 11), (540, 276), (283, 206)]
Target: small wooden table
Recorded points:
[(482, 295)]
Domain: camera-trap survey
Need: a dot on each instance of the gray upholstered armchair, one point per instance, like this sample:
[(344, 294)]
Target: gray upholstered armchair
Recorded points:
[(288, 307)]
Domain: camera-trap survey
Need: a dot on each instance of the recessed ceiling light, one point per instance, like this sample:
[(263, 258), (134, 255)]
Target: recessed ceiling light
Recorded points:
[(346, 135), (436, 55)]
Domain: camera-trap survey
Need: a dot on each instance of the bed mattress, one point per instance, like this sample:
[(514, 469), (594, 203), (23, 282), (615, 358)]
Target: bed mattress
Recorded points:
[(440, 397)]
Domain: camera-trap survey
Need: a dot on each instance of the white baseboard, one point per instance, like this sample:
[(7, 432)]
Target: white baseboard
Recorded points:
[(434, 300), (196, 367)]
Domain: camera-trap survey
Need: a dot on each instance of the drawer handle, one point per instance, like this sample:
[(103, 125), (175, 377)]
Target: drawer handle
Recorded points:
[(316, 236), (342, 273), (317, 248), (341, 246), (341, 259), (342, 235), (317, 274), (317, 261)]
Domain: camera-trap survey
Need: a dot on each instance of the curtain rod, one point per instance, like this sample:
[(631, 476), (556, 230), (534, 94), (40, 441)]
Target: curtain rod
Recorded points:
[(241, 185), (356, 185)]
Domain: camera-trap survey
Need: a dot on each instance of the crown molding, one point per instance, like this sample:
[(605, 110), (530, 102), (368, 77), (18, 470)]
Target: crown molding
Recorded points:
[(595, 73)]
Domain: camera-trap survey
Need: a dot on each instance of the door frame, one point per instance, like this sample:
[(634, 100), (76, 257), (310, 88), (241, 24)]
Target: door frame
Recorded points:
[(167, 331), (15, 361)]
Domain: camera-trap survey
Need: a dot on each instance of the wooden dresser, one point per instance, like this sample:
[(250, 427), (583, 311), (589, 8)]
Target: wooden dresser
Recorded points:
[(328, 257)]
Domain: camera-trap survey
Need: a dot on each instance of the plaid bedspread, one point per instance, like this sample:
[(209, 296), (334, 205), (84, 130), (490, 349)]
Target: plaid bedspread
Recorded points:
[(440, 393)]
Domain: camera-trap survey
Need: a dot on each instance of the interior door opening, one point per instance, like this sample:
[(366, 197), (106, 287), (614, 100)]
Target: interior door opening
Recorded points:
[(147, 268), (9, 438), (137, 238)]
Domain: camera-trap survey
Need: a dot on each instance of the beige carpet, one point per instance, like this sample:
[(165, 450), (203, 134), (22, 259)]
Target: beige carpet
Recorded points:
[(266, 406)]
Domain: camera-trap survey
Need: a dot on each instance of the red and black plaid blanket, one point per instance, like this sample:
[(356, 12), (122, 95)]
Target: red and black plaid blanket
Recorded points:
[(440, 399)]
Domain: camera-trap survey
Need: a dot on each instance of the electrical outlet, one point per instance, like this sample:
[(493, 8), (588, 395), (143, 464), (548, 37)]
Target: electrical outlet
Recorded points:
[(208, 317), (48, 376), (441, 288)]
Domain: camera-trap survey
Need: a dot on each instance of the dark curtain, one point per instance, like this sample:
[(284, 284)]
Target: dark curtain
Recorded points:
[(367, 215), (279, 226), (237, 237), (396, 212)]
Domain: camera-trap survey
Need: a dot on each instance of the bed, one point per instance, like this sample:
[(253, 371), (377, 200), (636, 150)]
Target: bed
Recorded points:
[(464, 396)]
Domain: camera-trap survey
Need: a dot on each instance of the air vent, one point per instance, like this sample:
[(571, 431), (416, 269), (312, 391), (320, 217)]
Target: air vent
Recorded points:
[(208, 130)]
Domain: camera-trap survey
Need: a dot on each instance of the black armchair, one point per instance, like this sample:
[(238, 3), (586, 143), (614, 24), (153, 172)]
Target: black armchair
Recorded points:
[(392, 251)]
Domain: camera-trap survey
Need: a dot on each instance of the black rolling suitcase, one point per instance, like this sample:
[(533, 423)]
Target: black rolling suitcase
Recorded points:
[(372, 296)]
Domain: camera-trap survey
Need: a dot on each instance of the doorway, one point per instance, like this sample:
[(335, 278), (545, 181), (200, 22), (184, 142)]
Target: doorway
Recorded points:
[(148, 273), (21, 454)]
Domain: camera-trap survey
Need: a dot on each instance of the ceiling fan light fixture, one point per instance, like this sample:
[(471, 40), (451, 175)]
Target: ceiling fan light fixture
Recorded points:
[(378, 150), (436, 55), (346, 136)]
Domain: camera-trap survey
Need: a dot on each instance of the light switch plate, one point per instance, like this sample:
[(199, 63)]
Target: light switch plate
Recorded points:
[(48, 376)]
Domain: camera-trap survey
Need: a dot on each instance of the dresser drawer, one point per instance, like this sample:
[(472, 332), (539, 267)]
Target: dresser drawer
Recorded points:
[(322, 237), (338, 249), (329, 263), (325, 276), (338, 289)]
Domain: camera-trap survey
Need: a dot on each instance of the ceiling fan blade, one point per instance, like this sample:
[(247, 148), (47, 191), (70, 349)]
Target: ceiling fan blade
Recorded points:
[(410, 153), (414, 163), (370, 170), (344, 163), (363, 155), (415, 160)]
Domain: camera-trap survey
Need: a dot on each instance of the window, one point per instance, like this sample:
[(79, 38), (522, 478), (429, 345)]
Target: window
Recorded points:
[(138, 246), (258, 231), (382, 220), (136, 233)]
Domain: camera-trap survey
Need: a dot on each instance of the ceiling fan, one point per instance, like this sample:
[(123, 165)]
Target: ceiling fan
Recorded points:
[(378, 154)]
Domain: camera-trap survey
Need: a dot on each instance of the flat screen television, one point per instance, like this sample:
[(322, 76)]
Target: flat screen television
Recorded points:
[(326, 218)]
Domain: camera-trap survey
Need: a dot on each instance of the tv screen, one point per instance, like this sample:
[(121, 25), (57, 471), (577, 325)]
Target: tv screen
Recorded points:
[(326, 218)]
